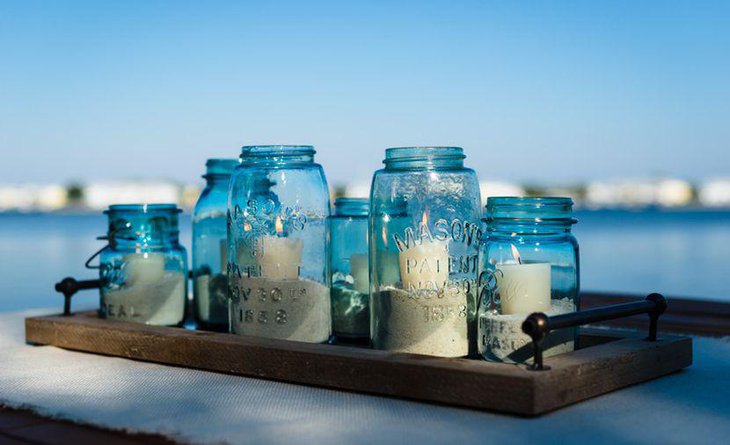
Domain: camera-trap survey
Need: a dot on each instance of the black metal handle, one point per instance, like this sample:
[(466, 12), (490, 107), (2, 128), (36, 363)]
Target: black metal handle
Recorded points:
[(539, 325), (69, 286)]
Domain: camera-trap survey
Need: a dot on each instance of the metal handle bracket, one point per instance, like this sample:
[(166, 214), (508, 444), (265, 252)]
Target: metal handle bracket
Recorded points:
[(538, 325)]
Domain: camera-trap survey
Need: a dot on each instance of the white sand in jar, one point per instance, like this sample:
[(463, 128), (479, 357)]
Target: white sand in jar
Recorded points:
[(161, 303), (297, 309), (427, 322), (501, 337), (211, 298)]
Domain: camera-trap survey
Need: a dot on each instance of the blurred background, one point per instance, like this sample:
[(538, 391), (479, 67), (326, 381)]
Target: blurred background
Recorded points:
[(624, 106)]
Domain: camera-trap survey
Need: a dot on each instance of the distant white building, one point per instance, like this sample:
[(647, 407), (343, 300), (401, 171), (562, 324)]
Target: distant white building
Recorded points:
[(27, 198), (189, 195), (358, 190), (99, 196), (715, 193), (674, 193), (639, 193)]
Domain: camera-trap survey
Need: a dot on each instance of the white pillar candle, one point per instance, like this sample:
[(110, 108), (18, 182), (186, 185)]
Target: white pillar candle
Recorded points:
[(281, 258), (424, 265), (144, 268), (360, 273), (523, 288)]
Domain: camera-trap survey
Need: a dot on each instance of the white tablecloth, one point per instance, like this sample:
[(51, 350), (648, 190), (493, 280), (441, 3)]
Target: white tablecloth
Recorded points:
[(202, 407)]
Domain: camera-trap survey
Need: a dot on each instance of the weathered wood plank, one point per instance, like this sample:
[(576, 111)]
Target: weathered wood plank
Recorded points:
[(469, 383)]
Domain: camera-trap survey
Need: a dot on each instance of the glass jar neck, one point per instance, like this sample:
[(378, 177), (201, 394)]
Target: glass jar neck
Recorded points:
[(277, 154), (143, 226), (424, 158), (217, 180), (529, 216), (352, 207)]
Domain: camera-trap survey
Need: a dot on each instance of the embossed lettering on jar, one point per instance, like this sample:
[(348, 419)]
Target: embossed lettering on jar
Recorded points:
[(278, 277), (143, 270), (210, 284), (424, 232)]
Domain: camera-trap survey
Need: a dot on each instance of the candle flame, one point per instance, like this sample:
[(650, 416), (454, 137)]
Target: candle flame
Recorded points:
[(516, 254), (424, 219), (279, 226)]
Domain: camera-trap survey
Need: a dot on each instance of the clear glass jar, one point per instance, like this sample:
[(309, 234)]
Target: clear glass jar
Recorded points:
[(278, 265), (349, 266), (529, 263), (424, 231), (210, 284), (143, 270)]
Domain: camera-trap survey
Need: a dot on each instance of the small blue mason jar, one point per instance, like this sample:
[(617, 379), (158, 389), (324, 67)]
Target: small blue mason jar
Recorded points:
[(210, 284), (278, 265), (424, 243), (349, 266), (143, 270), (529, 263)]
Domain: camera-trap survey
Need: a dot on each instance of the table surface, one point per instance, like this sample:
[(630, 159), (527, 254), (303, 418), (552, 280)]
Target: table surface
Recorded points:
[(203, 407)]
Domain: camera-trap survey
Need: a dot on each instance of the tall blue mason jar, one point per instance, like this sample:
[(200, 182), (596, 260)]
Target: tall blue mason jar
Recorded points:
[(529, 263), (278, 265), (210, 284), (349, 266), (143, 270), (424, 240)]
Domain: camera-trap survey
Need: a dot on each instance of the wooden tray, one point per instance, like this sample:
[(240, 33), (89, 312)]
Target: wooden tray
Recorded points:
[(608, 360)]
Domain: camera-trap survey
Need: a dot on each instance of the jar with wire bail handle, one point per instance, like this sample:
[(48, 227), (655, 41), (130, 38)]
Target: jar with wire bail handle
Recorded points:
[(143, 270), (529, 263)]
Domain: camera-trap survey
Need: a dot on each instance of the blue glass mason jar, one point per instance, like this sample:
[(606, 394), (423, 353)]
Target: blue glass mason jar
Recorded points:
[(529, 263), (210, 284), (424, 244), (349, 266), (143, 270), (278, 265)]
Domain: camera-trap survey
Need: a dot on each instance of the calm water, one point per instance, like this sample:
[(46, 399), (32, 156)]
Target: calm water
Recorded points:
[(683, 253)]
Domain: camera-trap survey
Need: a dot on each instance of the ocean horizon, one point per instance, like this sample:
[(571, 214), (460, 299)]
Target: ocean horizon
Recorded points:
[(678, 252)]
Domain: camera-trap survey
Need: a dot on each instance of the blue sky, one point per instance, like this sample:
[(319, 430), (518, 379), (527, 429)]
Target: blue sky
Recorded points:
[(537, 92)]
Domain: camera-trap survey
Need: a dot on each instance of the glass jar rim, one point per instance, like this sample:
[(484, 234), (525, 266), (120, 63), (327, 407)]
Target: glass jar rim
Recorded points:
[(351, 206), (143, 208), (221, 166), (531, 201), (273, 150), (536, 208), (423, 152)]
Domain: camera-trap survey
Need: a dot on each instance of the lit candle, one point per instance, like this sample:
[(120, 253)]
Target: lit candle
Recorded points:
[(424, 265), (281, 256), (360, 273), (523, 288), (143, 268)]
